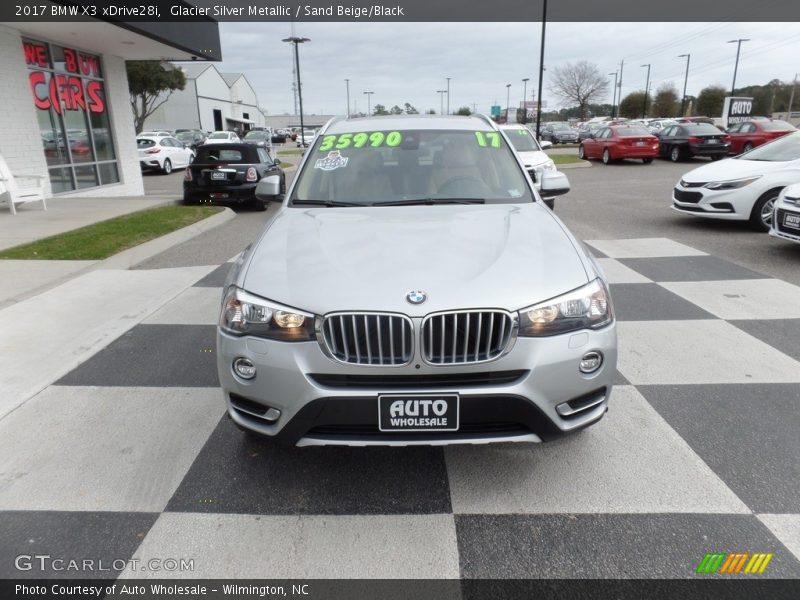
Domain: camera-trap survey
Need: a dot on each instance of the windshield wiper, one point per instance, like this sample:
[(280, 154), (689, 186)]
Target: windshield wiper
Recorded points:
[(326, 203), (430, 201)]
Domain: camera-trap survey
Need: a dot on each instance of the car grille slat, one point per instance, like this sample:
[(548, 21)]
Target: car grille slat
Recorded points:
[(693, 197), (464, 337), (363, 341)]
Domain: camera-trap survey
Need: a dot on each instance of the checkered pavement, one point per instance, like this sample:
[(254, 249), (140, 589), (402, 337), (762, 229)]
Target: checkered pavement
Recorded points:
[(130, 455)]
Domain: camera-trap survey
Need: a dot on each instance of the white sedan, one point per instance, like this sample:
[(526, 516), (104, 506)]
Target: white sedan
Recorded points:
[(531, 153), (222, 137), (162, 153), (786, 217), (742, 188)]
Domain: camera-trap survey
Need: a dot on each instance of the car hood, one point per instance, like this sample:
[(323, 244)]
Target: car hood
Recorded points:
[(486, 256), (735, 168), (533, 158)]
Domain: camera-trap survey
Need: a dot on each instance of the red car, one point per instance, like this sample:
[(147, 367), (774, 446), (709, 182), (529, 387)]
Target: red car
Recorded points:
[(749, 134), (620, 141)]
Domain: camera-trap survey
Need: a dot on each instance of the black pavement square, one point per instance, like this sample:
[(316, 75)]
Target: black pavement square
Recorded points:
[(216, 278), (651, 302), (104, 537), (689, 268), (238, 473), (587, 546), (747, 433), (153, 355), (781, 334)]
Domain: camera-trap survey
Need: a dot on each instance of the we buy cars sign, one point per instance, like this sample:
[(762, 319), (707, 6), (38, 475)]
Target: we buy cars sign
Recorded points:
[(736, 110)]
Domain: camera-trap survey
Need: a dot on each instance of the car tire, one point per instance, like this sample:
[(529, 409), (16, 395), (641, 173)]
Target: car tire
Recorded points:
[(675, 154), (581, 152), (606, 156), (761, 215), (747, 147), (647, 161), (166, 168)]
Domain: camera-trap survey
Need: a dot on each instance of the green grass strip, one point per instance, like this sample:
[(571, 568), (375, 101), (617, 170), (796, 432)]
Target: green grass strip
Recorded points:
[(106, 238), (565, 159)]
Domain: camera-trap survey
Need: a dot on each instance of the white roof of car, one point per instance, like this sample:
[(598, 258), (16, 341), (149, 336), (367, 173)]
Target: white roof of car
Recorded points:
[(406, 122)]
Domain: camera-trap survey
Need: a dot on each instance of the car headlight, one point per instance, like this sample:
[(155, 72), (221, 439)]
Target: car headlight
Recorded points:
[(588, 307), (732, 184), (245, 314), (549, 166)]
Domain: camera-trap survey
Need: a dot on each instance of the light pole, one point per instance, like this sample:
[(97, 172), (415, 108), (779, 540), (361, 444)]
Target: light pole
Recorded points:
[(736, 66), (791, 99), (508, 99), (297, 41), (441, 100), (524, 100), (448, 95), (541, 71), (369, 108), (347, 82), (614, 96), (646, 90), (685, 81)]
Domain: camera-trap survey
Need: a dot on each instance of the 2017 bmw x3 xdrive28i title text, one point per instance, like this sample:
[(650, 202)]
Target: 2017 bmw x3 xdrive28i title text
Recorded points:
[(413, 289)]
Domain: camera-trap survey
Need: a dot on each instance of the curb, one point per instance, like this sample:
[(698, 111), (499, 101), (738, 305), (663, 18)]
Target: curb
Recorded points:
[(580, 165), (138, 254), (133, 256)]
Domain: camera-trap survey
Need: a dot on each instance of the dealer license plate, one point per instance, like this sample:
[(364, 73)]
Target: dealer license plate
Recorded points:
[(218, 175), (791, 220), (418, 413)]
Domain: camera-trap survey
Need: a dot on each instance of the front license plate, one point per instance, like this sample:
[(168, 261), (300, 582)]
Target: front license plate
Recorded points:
[(791, 220), (418, 413), (216, 175)]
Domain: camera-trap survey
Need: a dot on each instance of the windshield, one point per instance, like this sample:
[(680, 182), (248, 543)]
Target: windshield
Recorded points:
[(522, 140), (206, 154), (145, 143), (633, 130), (782, 149), (389, 167), (218, 135), (185, 136), (777, 126), (702, 129), (561, 126), (255, 135)]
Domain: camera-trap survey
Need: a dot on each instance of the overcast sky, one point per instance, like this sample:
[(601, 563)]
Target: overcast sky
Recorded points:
[(408, 62)]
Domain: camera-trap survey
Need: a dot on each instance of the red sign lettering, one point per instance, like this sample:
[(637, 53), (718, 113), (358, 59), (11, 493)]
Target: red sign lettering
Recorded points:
[(94, 90), (71, 60), (35, 54), (65, 92)]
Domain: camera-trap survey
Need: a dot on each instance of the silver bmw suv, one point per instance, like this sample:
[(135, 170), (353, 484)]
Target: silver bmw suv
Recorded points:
[(413, 289)]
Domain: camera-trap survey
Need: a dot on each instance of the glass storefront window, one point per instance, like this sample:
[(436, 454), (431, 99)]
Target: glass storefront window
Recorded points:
[(69, 94)]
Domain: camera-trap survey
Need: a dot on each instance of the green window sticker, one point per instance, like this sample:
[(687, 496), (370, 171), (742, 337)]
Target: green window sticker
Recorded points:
[(374, 139), (487, 139)]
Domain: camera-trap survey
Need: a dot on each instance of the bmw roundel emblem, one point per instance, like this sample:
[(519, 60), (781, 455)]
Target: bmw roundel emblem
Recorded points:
[(416, 297)]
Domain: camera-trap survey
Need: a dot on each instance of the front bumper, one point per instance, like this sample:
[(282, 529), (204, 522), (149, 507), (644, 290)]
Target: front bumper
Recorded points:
[(732, 205), (322, 401), (779, 229)]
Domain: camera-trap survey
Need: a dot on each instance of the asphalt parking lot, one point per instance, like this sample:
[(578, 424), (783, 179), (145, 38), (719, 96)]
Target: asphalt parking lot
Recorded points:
[(134, 456)]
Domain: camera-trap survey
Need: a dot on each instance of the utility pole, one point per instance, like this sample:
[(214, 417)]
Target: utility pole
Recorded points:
[(614, 96), (646, 90), (508, 99), (347, 82), (525, 100), (736, 66), (621, 68), (791, 99), (541, 72), (685, 81), (448, 95), (369, 107)]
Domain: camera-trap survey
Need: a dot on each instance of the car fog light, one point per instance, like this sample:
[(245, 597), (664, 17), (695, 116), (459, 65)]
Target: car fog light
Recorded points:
[(590, 362), (244, 368)]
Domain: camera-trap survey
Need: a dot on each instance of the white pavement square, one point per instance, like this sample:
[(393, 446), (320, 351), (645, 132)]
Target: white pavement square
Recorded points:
[(786, 528), (292, 547), (29, 275), (643, 248), (616, 272), (630, 462), (103, 448), (194, 306), (742, 298), (697, 352)]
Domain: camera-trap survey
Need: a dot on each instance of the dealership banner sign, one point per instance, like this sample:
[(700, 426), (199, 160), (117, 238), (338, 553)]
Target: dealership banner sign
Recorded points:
[(736, 110)]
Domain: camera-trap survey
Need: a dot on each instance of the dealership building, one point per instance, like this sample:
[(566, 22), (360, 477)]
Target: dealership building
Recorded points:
[(66, 106)]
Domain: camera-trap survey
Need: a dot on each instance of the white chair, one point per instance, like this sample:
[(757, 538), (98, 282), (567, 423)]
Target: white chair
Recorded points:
[(14, 192)]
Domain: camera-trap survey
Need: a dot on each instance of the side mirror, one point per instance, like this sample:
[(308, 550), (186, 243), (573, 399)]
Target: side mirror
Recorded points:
[(276, 161), (554, 183), (545, 144), (268, 188)]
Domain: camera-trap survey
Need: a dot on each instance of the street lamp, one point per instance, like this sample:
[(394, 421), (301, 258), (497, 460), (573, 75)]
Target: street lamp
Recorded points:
[(524, 100), (508, 99), (347, 82), (614, 96), (736, 66), (646, 90), (541, 71), (448, 95), (441, 100), (369, 109), (685, 81), (296, 41)]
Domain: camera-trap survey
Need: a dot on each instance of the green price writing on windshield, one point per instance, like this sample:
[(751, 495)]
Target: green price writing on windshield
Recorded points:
[(374, 139), (488, 139)]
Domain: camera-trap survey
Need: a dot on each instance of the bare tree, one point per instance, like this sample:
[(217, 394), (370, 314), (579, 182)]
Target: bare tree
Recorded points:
[(580, 83)]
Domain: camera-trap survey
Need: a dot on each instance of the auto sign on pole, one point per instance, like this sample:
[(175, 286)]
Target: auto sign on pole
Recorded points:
[(736, 110)]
